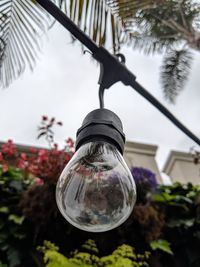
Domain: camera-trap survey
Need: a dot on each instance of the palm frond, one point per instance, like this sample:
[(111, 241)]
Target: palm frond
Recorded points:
[(154, 26), (148, 25), (22, 23), (95, 19), (174, 72), (109, 23)]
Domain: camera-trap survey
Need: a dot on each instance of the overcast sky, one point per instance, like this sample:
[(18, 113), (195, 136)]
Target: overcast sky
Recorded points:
[(64, 85)]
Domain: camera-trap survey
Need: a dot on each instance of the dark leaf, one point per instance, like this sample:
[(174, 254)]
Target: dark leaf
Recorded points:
[(13, 257), (17, 185), (174, 72), (22, 23), (41, 134)]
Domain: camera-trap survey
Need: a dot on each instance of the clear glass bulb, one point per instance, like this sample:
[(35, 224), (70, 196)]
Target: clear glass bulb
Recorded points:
[(96, 191)]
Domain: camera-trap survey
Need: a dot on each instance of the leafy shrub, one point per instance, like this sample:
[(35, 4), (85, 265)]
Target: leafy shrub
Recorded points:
[(181, 204), (165, 219), (123, 256), (12, 230)]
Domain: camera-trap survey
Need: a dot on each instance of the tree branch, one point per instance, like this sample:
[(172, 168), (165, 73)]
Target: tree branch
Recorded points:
[(185, 24)]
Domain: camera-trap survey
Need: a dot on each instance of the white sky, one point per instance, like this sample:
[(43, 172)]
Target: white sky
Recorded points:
[(64, 85)]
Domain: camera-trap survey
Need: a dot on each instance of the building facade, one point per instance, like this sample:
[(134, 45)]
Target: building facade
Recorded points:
[(180, 167)]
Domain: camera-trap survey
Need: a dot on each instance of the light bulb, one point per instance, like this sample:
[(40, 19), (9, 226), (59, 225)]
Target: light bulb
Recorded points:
[(96, 191)]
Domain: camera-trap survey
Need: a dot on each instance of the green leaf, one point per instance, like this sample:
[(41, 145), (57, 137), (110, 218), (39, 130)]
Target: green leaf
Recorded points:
[(161, 244), (185, 199), (17, 185), (1, 224), (13, 257), (16, 219), (3, 237), (4, 209), (164, 197), (3, 265), (22, 23), (90, 245), (19, 236), (181, 222), (175, 72)]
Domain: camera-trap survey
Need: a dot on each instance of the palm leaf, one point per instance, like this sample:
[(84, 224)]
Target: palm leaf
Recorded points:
[(93, 17), (21, 25), (174, 72), (108, 23), (148, 25), (111, 23)]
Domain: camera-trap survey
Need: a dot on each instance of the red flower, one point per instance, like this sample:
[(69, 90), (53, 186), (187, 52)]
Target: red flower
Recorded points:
[(33, 168), (43, 155), (33, 150), (44, 118), (23, 156), (1, 157), (9, 148), (67, 157), (22, 164), (5, 167), (70, 142), (55, 146), (39, 181)]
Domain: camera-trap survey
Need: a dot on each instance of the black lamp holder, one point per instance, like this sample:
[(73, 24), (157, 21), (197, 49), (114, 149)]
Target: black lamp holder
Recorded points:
[(101, 125), (112, 67)]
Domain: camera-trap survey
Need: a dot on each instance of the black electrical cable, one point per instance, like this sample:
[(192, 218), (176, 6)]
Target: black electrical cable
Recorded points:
[(112, 70), (60, 16), (101, 96), (164, 111)]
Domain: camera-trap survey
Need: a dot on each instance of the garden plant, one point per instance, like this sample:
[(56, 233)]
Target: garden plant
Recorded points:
[(163, 230)]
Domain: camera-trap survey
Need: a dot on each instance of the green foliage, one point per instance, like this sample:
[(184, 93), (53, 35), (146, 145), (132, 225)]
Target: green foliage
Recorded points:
[(174, 72), (150, 26), (162, 245), (3, 265), (90, 245), (21, 23), (12, 231), (168, 222), (182, 204), (123, 256), (170, 27), (182, 221)]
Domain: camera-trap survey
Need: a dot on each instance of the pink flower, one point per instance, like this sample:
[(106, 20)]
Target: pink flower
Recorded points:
[(43, 155), (23, 156), (39, 181), (22, 164), (70, 142), (5, 167), (33, 169), (33, 150), (9, 148)]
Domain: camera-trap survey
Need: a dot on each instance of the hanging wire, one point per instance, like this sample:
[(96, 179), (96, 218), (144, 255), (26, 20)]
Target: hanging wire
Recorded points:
[(113, 69), (101, 96)]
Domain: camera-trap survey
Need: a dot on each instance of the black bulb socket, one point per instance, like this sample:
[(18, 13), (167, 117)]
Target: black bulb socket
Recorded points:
[(101, 125)]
